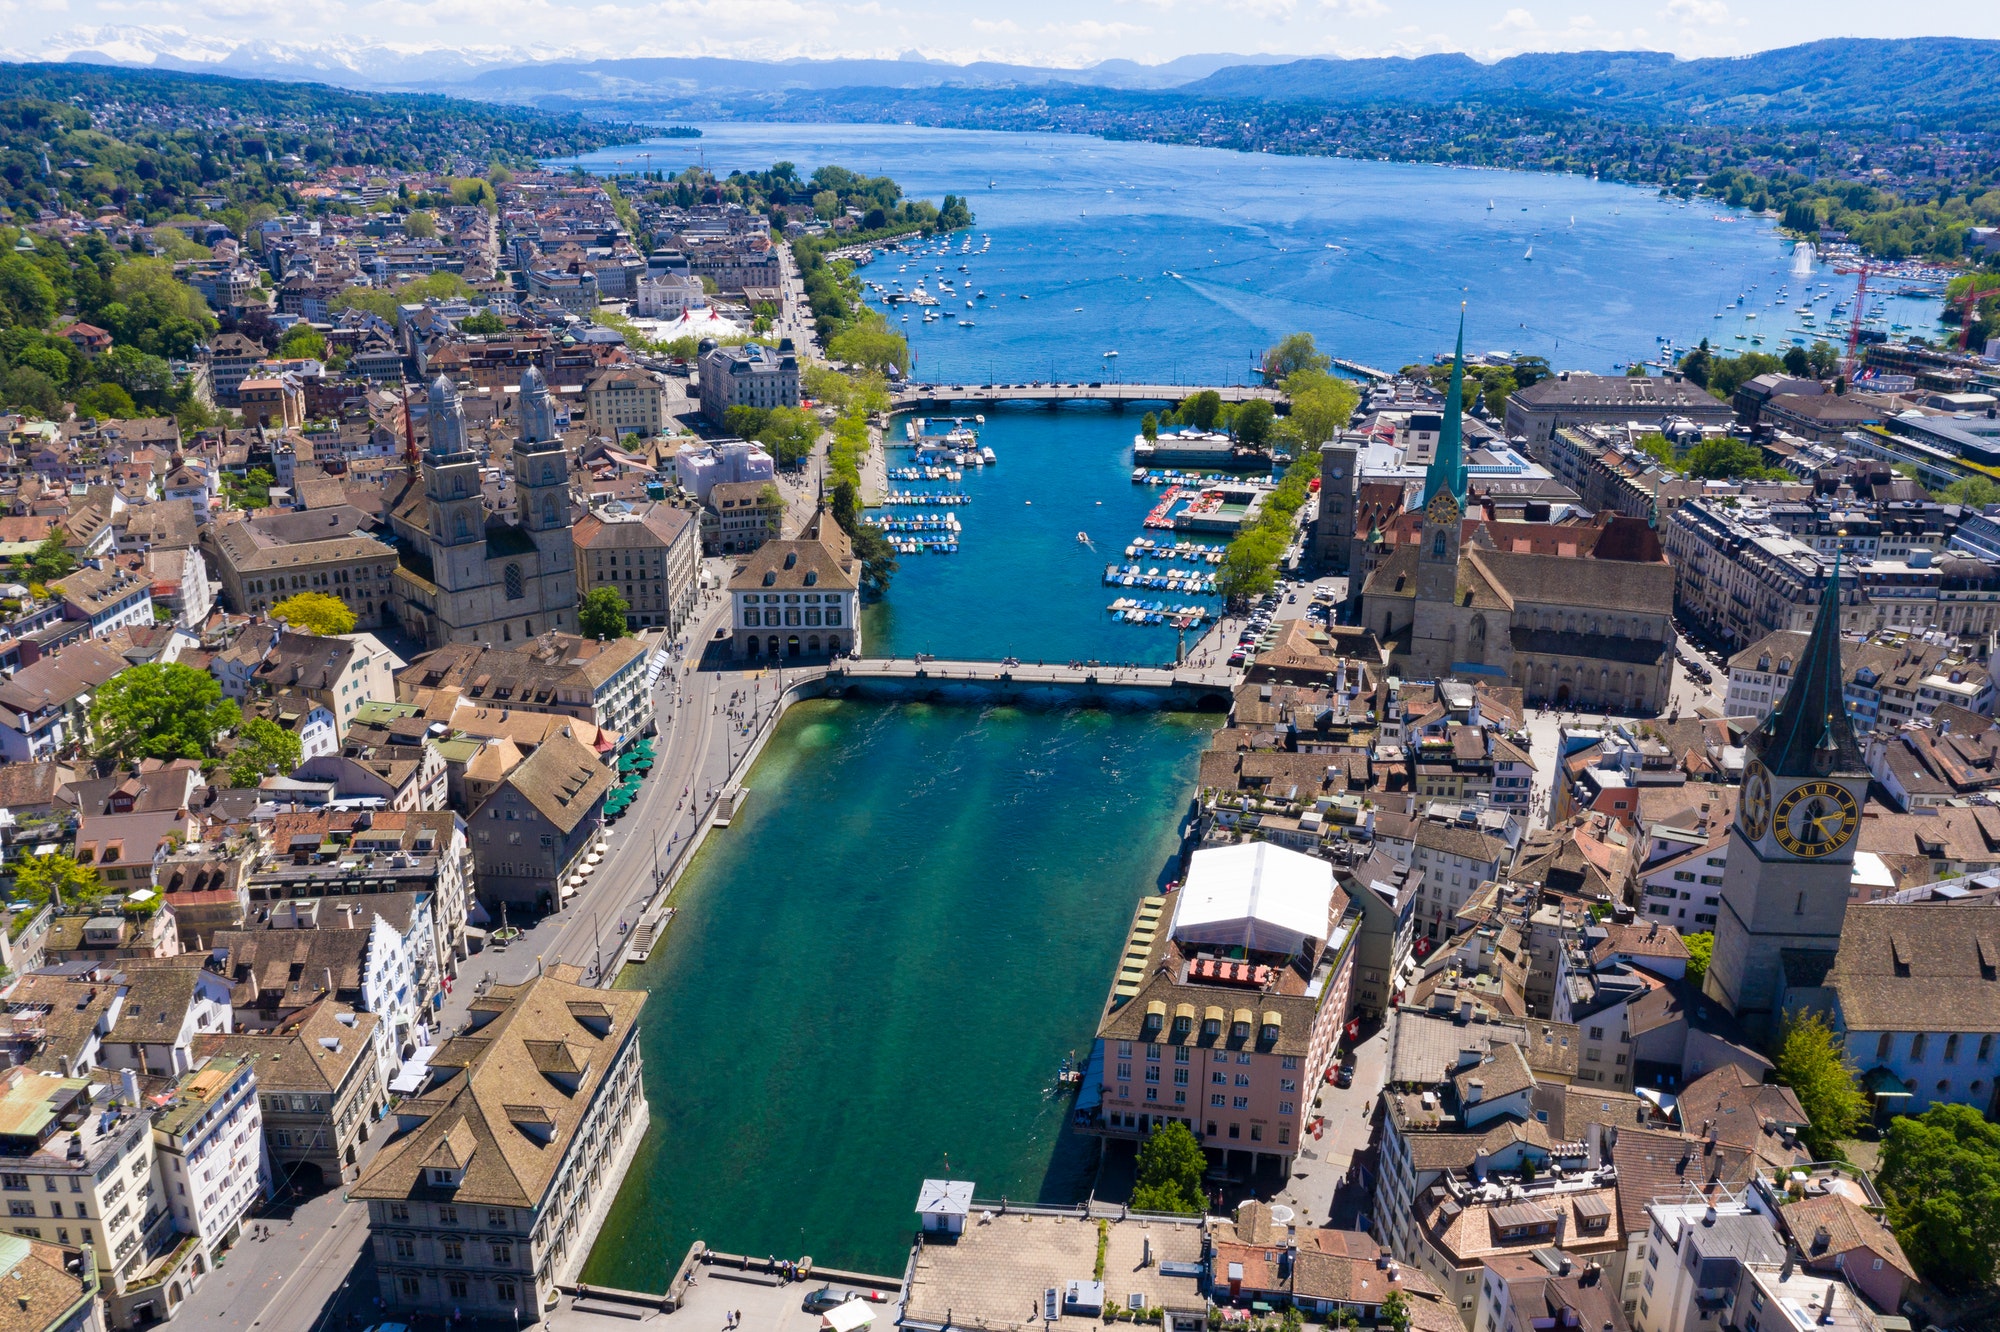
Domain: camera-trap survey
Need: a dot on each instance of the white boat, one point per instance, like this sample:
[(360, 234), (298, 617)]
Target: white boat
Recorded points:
[(986, 455), (1530, 255)]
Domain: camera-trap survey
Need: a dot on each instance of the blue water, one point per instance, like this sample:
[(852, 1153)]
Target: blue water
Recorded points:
[(1021, 584), (1084, 222), (1189, 262)]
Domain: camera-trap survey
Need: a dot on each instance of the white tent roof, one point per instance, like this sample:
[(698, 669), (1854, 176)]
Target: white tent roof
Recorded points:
[(1255, 895), (847, 1316), (949, 1197)]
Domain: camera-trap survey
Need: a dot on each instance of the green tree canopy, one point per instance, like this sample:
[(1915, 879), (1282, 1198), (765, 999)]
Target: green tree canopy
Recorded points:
[(872, 346), (420, 225), (602, 614), (1149, 426), (1170, 1167), (1202, 409), (1700, 948), (161, 710), (1977, 491), (32, 391), (1321, 405), (1724, 457), (39, 878), (50, 560), (1253, 421), (1941, 1178), (302, 340), (27, 297), (315, 613), (263, 748), (1812, 1063), (789, 433), (485, 324), (1294, 353), (1660, 449)]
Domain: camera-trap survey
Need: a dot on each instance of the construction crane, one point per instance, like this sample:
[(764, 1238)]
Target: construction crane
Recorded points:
[(1854, 326)]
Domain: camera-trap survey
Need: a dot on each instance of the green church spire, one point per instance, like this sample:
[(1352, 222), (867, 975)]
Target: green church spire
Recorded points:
[(1447, 470), (1809, 734)]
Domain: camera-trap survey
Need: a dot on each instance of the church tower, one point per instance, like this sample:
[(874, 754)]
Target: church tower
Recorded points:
[(1433, 635), (1791, 848), (451, 478), (541, 486)]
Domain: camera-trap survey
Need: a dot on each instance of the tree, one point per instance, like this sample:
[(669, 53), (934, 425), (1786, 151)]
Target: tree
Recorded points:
[(1977, 491), (301, 342), (1797, 362), (1700, 948), (1941, 1178), (1203, 408), (40, 878), (1149, 426), (1724, 457), (161, 710), (314, 613), (31, 391), (772, 501), (421, 226), (1253, 422), (1396, 1312), (1170, 1168), (872, 346), (485, 324), (27, 297), (263, 748), (743, 421), (1321, 406), (1812, 1063), (50, 560), (1295, 353), (1660, 449), (602, 614), (789, 433), (106, 402)]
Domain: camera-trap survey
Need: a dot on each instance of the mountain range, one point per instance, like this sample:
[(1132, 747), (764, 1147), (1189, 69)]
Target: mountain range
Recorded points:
[(1832, 81)]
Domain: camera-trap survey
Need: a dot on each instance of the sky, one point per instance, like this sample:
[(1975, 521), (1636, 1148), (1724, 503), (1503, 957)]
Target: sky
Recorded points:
[(1043, 32)]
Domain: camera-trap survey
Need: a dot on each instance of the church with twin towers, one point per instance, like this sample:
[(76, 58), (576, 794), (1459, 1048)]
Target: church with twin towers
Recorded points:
[(470, 575)]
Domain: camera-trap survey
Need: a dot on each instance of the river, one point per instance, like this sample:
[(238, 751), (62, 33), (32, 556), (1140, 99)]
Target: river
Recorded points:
[(878, 969)]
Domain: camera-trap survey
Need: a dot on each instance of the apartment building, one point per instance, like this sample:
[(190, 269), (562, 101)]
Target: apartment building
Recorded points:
[(507, 1159), (76, 1167), (318, 1090), (748, 376), (109, 598), (625, 400), (1230, 998), (740, 516), (260, 561), (651, 558), (363, 853), (209, 1139), (1573, 398)]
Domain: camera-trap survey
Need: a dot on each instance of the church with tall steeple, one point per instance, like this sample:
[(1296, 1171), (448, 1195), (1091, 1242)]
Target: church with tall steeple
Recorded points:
[(468, 575), (1791, 849), (1573, 613)]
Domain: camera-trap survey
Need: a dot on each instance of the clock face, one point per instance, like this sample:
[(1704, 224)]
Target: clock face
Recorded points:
[(1753, 810), (1816, 819)]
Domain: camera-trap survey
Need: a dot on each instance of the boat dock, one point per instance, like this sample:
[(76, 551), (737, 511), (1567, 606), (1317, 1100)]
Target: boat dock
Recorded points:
[(1368, 372)]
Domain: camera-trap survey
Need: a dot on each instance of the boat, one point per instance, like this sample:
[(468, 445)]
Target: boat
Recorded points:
[(1489, 205), (1083, 538), (1530, 255), (987, 456)]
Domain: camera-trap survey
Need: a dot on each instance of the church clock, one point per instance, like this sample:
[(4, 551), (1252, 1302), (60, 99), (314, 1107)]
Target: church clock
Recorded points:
[(1816, 819), (1753, 810)]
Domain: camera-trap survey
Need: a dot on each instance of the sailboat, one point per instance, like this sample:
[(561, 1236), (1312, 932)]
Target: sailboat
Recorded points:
[(1530, 255), (1489, 205)]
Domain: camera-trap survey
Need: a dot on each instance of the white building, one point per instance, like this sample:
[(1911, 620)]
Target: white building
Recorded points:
[(668, 296), (1695, 1256), (700, 468), (209, 1151)]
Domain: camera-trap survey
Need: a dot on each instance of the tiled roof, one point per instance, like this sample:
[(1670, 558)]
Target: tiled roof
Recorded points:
[(1913, 966)]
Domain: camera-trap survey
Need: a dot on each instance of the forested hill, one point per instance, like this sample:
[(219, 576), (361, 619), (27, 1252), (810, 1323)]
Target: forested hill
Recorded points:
[(316, 122), (1838, 81)]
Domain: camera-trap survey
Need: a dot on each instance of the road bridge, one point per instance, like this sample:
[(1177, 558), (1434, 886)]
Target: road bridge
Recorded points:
[(1064, 684), (941, 397)]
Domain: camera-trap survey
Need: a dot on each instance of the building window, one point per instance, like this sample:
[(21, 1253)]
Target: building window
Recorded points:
[(516, 589)]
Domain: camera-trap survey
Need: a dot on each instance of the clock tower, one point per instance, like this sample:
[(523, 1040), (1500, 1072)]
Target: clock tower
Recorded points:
[(1434, 640), (1791, 849)]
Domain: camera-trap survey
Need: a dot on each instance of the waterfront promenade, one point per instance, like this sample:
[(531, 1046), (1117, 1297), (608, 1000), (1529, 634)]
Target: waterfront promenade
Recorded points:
[(934, 396)]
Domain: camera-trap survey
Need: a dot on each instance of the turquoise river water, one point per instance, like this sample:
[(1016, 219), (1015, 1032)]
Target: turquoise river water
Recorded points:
[(879, 968)]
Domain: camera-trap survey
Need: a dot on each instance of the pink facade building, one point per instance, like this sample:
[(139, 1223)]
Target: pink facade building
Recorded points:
[(1228, 1005)]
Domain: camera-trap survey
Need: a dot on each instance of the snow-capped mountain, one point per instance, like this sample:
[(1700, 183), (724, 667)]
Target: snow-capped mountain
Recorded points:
[(355, 65)]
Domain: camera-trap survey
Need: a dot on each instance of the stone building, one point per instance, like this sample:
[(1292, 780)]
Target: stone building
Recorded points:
[(507, 1160), (1572, 615), (470, 576)]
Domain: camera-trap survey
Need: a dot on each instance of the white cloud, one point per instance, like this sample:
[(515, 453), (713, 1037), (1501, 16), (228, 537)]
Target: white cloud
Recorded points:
[(1515, 20), (1709, 13)]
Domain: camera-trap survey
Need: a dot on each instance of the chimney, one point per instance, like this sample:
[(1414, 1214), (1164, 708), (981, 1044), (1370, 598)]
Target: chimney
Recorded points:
[(1826, 1309), (128, 1083)]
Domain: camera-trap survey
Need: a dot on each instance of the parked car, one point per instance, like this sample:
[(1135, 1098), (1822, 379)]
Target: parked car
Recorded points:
[(828, 1297)]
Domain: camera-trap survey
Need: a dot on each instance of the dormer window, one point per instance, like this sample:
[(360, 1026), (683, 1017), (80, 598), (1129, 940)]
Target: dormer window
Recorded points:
[(444, 1179), (1211, 1029)]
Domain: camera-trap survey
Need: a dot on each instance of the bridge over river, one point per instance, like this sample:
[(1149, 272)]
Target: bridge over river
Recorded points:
[(1053, 683), (937, 397)]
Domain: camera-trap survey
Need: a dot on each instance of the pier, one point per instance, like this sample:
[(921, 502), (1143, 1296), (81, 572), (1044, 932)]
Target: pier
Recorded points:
[(1365, 371), (931, 397)]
